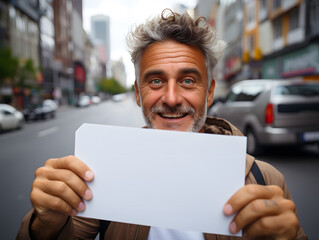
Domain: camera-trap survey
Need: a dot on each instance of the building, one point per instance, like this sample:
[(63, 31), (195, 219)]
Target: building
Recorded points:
[(47, 46), (4, 23), (233, 35), (24, 30), (100, 33), (78, 39), (93, 66), (255, 12), (281, 39), (214, 12), (63, 67), (295, 41), (204, 8), (119, 74), (70, 73), (21, 35), (77, 31)]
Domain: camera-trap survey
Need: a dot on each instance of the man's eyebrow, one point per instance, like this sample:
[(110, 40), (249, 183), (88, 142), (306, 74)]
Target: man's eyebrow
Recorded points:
[(182, 71), (191, 70), (152, 73)]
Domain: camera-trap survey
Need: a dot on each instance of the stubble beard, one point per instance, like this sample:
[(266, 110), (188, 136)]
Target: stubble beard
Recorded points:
[(198, 119)]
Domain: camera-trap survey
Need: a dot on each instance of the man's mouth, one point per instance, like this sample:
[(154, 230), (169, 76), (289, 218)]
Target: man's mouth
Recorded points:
[(173, 115)]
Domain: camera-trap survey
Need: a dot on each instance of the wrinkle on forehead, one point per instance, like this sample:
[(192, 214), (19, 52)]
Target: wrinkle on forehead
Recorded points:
[(171, 52)]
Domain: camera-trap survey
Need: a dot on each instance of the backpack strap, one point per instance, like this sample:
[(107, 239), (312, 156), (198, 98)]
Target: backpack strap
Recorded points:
[(257, 174), (103, 227)]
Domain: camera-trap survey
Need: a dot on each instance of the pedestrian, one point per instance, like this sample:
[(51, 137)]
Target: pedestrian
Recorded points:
[(174, 56)]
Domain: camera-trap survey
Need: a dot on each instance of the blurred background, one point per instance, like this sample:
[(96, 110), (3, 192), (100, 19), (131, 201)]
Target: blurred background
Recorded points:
[(65, 62)]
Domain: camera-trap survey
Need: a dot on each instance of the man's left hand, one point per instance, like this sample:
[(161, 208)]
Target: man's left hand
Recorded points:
[(262, 211)]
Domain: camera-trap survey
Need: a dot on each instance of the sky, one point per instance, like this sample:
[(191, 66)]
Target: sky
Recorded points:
[(125, 14)]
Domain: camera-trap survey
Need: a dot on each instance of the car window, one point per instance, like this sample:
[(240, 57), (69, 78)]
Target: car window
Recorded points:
[(232, 95), (250, 93), (298, 90), (6, 112), (245, 93)]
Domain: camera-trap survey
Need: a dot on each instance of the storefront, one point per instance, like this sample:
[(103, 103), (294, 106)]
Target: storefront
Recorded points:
[(79, 78), (302, 63)]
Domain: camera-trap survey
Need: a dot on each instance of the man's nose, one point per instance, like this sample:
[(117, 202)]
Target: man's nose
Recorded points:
[(171, 95)]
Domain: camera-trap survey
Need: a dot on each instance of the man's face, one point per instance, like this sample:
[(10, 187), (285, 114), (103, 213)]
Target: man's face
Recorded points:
[(174, 91)]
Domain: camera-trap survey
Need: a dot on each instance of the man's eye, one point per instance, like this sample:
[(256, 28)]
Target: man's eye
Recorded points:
[(188, 81), (156, 81)]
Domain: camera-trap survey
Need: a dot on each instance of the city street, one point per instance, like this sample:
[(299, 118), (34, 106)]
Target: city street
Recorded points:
[(22, 152)]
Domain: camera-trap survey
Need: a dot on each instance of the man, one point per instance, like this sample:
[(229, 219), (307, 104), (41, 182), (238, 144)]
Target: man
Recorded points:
[(174, 57)]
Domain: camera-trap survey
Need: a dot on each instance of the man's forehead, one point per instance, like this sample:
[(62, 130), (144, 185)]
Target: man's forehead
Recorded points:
[(171, 48), (162, 55)]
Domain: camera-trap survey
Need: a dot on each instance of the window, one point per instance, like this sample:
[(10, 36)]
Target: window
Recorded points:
[(294, 19), (276, 4), (298, 90), (250, 93), (314, 16), (251, 13), (263, 4), (277, 28), (232, 96), (263, 9), (246, 93), (251, 43)]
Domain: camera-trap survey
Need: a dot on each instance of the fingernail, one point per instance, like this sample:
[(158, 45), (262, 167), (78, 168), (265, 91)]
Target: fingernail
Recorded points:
[(88, 175), (228, 209), (88, 194), (81, 207), (232, 227), (74, 212)]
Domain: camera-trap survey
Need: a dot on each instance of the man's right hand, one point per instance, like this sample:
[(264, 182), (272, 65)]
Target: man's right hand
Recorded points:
[(58, 192)]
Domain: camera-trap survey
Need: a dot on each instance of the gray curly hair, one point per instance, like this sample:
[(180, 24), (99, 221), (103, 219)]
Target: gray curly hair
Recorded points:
[(181, 28)]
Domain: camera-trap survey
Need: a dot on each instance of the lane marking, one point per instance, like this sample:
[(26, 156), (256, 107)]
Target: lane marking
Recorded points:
[(48, 131)]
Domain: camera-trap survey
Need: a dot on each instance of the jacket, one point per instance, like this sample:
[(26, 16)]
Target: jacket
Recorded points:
[(86, 228)]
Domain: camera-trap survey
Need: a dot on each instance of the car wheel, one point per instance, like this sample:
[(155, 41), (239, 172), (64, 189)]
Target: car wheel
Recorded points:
[(253, 147)]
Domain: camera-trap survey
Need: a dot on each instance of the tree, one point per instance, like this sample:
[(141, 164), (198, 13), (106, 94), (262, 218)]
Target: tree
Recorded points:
[(26, 74), (8, 65), (12, 72), (110, 85)]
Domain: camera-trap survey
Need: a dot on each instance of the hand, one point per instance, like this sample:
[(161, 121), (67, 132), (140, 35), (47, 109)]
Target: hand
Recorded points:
[(57, 192), (262, 211)]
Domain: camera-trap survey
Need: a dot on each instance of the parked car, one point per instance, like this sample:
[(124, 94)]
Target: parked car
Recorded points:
[(119, 97), (95, 99), (42, 111), (84, 101), (272, 112), (10, 118)]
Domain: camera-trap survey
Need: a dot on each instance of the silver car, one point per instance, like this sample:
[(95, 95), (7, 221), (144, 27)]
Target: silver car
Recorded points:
[(272, 112)]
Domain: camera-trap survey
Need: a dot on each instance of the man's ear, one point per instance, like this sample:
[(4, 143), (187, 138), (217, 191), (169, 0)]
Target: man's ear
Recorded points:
[(210, 94), (137, 95)]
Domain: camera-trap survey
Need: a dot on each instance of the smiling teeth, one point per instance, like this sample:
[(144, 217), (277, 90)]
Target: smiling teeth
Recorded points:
[(172, 115)]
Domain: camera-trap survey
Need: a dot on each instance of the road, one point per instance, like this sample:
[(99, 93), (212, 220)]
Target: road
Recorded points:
[(22, 152)]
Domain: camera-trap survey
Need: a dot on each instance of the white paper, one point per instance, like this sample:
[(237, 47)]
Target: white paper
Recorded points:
[(169, 179)]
